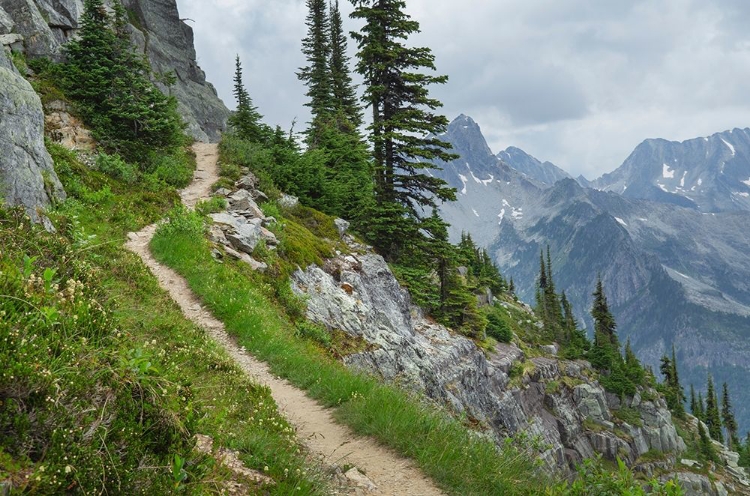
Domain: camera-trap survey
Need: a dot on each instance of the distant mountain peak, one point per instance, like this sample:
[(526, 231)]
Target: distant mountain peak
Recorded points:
[(544, 172), (710, 174)]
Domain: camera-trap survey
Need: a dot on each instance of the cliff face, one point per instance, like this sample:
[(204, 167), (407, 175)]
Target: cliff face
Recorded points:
[(509, 393), (27, 176), (45, 25)]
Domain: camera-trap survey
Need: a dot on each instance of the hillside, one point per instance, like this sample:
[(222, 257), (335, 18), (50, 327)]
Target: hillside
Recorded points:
[(174, 321)]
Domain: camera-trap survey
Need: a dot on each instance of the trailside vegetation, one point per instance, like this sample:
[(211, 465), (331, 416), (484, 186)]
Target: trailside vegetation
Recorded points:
[(110, 83)]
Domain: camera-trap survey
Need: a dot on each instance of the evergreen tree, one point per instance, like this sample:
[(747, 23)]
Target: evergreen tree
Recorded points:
[(693, 401), (706, 448), (512, 286), (713, 417), (246, 120), (727, 417), (700, 413), (457, 305), (404, 130), (679, 391), (552, 304), (110, 83), (316, 47), (633, 368), (673, 392), (576, 343), (605, 354), (342, 88), (541, 286), (745, 452)]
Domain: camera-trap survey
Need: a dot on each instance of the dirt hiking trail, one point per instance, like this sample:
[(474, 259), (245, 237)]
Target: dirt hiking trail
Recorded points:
[(388, 473)]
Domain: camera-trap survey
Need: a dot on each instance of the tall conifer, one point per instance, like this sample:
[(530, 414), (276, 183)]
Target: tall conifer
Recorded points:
[(316, 75), (405, 127), (343, 89), (713, 417), (727, 417), (246, 119)]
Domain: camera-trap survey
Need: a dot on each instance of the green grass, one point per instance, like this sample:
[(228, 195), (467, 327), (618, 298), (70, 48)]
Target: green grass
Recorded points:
[(104, 384), (459, 461)]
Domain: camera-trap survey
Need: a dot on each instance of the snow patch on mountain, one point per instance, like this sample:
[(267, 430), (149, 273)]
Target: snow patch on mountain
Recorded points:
[(621, 221), (734, 152), (464, 180), (667, 173)]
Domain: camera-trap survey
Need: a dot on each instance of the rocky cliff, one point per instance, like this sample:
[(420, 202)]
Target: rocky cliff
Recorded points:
[(505, 390), (41, 27), (27, 176), (510, 390)]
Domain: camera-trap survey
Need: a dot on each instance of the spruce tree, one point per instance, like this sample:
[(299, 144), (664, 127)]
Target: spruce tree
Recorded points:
[(576, 344), (541, 289), (727, 417), (316, 75), (552, 304), (713, 417), (673, 392), (343, 89), (693, 401), (700, 413), (605, 353), (246, 120), (405, 128), (110, 83), (633, 368)]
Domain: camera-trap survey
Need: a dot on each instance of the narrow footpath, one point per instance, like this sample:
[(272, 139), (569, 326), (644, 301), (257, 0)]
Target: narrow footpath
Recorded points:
[(333, 443)]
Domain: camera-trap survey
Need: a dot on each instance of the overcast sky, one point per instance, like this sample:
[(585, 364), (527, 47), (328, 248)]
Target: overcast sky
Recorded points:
[(577, 82)]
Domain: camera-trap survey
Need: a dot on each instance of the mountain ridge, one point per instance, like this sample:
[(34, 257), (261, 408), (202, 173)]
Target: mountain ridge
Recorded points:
[(673, 274)]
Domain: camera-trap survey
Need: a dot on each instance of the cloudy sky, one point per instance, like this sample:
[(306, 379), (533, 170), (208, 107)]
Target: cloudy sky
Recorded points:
[(579, 83)]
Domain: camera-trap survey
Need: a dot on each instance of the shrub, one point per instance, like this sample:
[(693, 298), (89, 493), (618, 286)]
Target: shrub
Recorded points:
[(181, 220), (498, 328), (215, 204), (174, 169), (115, 166)]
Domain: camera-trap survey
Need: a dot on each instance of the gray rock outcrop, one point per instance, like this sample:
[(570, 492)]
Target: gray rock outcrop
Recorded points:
[(46, 25), (242, 225), (6, 23), (27, 176), (552, 400)]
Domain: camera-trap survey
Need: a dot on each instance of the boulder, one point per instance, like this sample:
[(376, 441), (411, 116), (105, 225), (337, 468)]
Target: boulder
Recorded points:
[(591, 401), (245, 237), (242, 201), (27, 176), (247, 182), (39, 41), (692, 484), (288, 201), (6, 22), (342, 226)]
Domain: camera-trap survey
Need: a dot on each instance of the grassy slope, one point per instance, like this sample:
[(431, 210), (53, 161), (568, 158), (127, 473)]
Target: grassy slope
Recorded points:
[(447, 451), (111, 399)]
